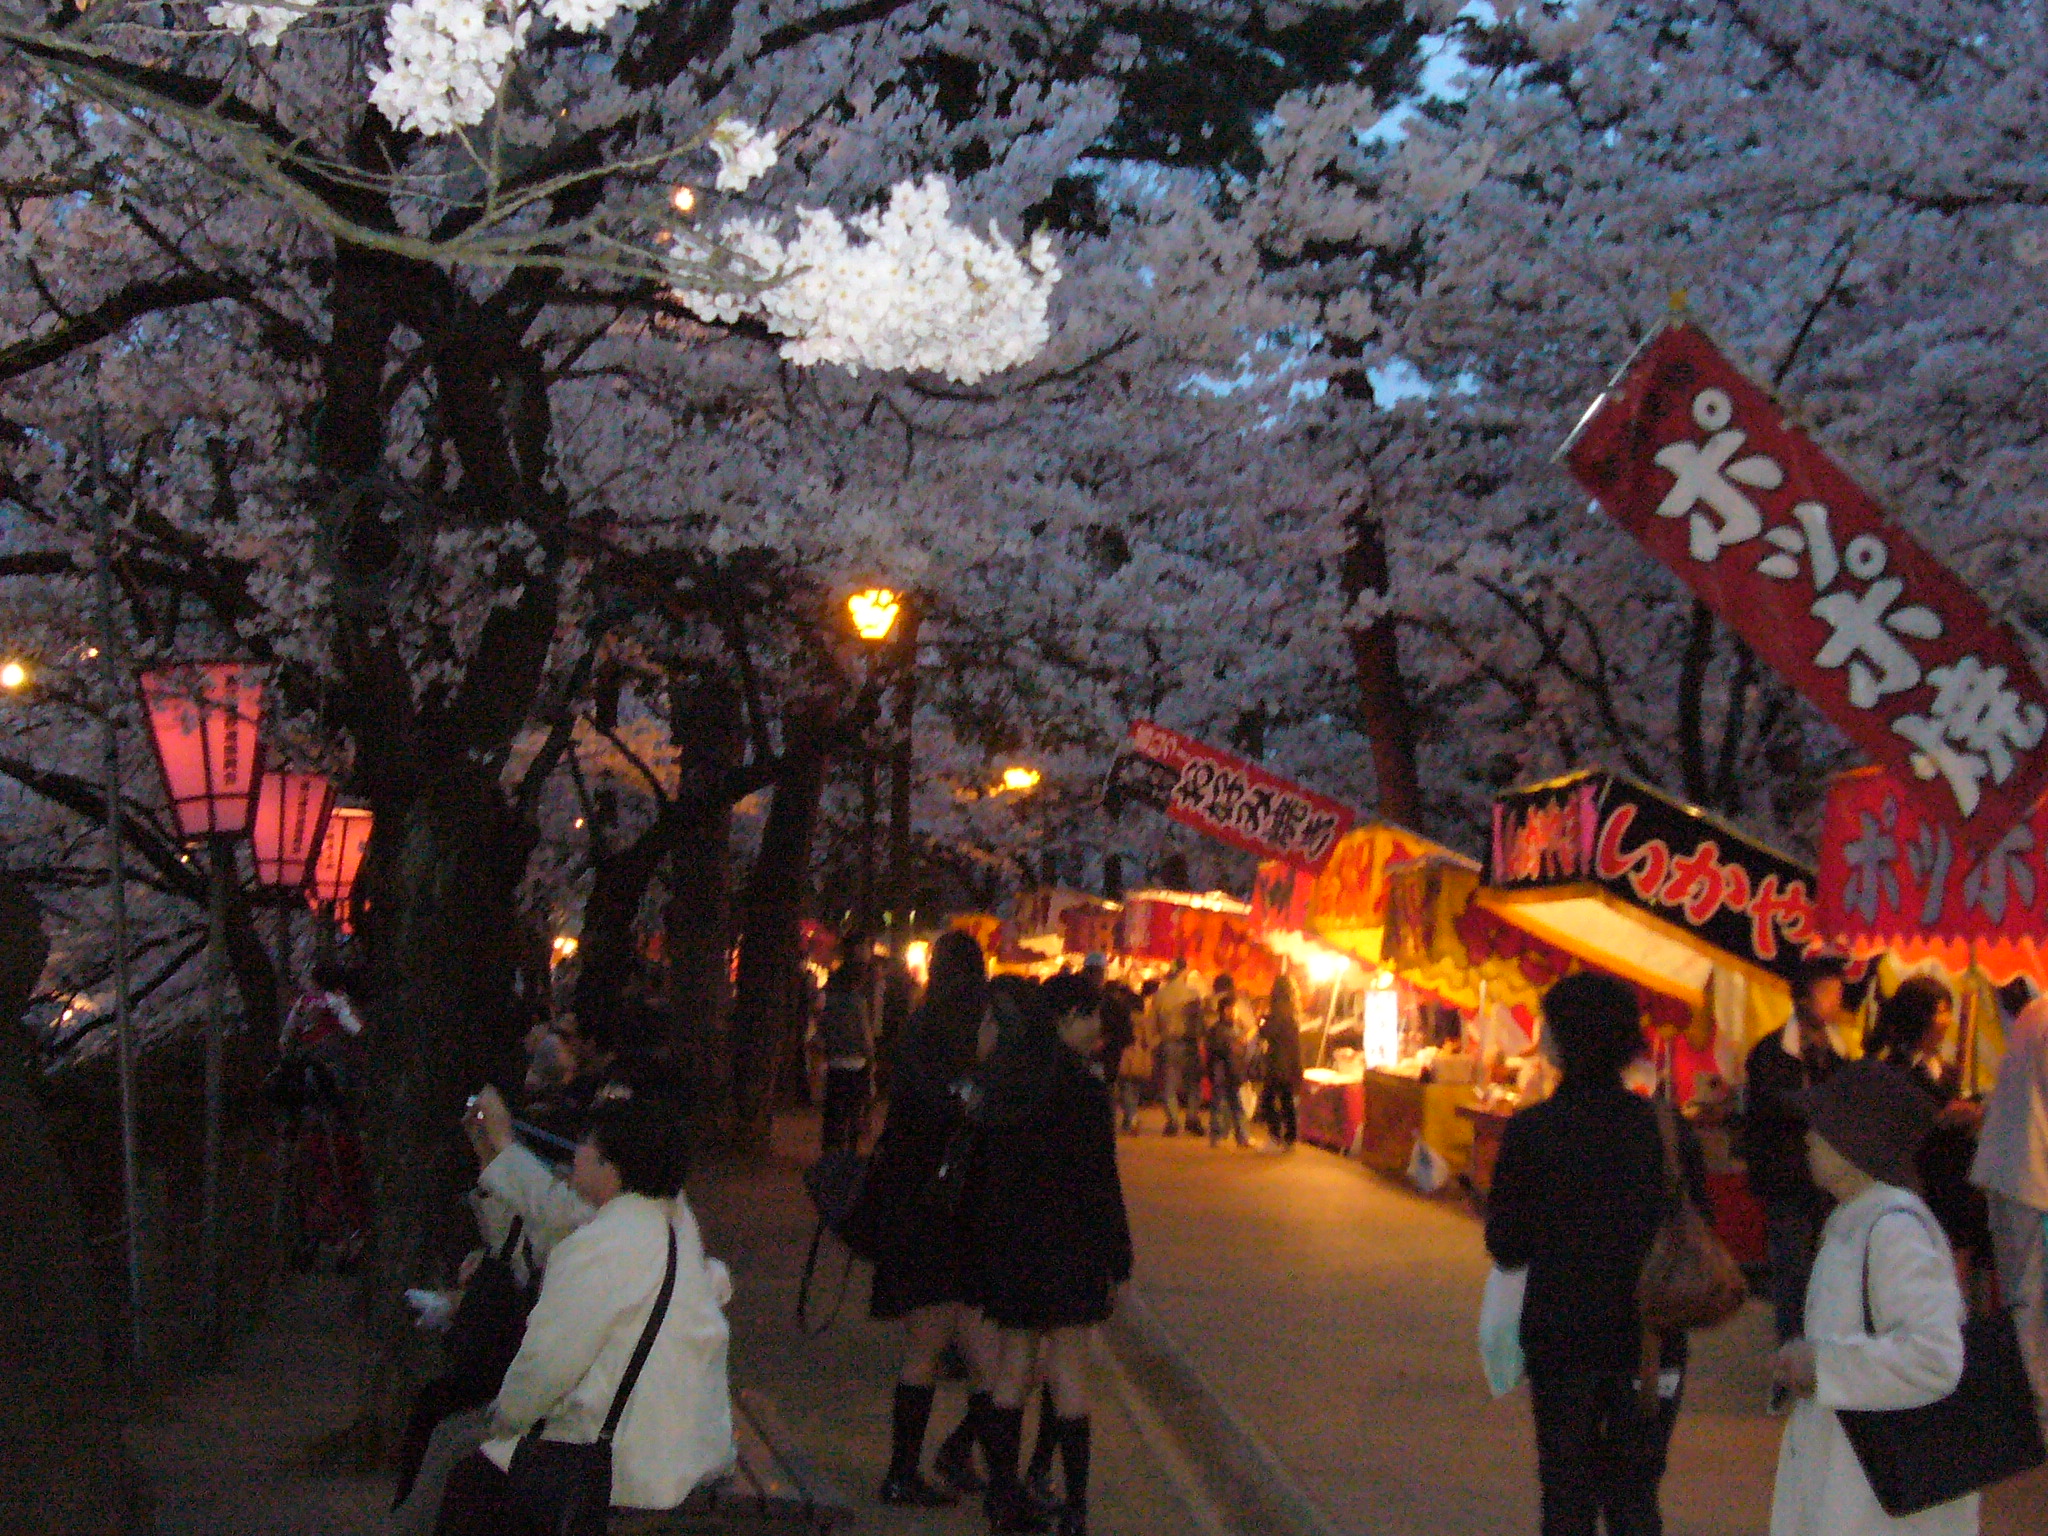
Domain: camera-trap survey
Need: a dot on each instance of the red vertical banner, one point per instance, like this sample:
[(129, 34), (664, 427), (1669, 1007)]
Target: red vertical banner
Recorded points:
[(1701, 465)]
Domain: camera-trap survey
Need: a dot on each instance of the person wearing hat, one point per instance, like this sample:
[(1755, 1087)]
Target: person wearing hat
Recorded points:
[(1883, 1315), (1782, 1066), (2012, 1169)]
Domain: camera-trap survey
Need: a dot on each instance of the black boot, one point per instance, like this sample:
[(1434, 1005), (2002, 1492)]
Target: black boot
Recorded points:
[(1009, 1511), (1076, 1445), (955, 1461), (1044, 1445), (905, 1484)]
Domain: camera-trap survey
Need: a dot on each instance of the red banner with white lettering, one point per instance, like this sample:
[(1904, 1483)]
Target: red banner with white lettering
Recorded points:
[(1700, 464), (1894, 879), (1225, 797)]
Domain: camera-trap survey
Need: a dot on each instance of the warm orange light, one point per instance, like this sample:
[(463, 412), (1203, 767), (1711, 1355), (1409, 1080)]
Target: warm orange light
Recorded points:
[(203, 723), (683, 200), (565, 947), (1021, 781), (13, 675), (874, 613), (341, 855)]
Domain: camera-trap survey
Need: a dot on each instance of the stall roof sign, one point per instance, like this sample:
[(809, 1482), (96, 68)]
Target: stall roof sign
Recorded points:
[(1894, 879), (1225, 797), (1346, 904), (1708, 887), (1701, 465)]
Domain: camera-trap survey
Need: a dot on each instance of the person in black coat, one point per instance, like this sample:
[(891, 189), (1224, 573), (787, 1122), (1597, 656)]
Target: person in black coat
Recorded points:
[(1911, 1025), (1578, 1193), (1281, 1030), (1048, 1241), (1805, 1052), (918, 1252)]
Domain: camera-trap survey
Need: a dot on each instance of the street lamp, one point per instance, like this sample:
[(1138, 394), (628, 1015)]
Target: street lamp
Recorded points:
[(13, 676), (1021, 780), (874, 613), (289, 827), (202, 722)]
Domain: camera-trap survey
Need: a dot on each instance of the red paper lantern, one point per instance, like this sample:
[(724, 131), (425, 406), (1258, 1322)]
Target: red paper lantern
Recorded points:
[(341, 855), (202, 722), (291, 821)]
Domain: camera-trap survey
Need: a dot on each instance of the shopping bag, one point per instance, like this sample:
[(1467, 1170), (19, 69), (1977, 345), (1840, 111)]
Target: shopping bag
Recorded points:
[(1427, 1170), (1500, 1328)]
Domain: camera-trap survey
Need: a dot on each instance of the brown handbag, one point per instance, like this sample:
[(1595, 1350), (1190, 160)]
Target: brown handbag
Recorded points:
[(1689, 1278)]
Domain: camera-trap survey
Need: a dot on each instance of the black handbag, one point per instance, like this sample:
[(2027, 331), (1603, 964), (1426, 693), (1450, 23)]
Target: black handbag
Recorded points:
[(482, 1338), (1982, 1433), (562, 1487)]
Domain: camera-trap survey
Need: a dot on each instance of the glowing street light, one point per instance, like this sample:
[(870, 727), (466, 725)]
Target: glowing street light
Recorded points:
[(13, 676), (874, 613), (1021, 780)]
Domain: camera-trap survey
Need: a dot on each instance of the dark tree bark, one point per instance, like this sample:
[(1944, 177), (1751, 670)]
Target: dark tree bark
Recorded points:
[(1384, 709), (765, 1016), (66, 1471)]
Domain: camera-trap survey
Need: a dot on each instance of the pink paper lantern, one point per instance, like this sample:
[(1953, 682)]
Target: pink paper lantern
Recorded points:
[(291, 822), (202, 722), (341, 855)]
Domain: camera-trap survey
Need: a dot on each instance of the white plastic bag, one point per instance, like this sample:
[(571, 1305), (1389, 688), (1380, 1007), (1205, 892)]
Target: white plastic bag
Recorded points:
[(1427, 1170), (1500, 1328)]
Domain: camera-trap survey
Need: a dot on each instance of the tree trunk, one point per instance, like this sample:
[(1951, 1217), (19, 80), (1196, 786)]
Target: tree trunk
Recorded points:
[(440, 925), (1384, 708), (765, 1016), (67, 1473), (697, 919)]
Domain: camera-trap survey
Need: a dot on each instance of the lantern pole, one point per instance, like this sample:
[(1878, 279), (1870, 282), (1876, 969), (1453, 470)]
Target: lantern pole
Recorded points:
[(221, 868), (117, 882)]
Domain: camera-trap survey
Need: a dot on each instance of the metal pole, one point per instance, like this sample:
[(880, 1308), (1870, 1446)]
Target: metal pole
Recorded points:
[(117, 883), (901, 748), (221, 859)]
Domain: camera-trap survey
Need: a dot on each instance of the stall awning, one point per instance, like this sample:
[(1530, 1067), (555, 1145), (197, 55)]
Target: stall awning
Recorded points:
[(1894, 879), (1442, 939), (1211, 932), (1643, 885), (1346, 905)]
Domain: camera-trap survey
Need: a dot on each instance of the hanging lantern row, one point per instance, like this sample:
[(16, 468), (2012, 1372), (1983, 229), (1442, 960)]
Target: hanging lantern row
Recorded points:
[(203, 725)]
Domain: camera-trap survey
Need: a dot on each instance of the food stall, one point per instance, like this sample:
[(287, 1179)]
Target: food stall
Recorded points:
[(1905, 890), (1706, 919), (1385, 1066)]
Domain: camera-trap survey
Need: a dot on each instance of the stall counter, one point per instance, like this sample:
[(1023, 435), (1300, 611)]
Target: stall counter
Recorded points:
[(1398, 1109)]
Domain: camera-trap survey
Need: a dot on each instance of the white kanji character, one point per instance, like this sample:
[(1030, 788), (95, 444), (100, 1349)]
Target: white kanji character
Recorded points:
[(1702, 472), (1974, 709), (1812, 538)]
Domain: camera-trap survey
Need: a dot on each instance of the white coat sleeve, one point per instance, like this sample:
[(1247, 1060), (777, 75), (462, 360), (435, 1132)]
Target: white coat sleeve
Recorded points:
[(580, 1303), (1916, 1356), (526, 1184)]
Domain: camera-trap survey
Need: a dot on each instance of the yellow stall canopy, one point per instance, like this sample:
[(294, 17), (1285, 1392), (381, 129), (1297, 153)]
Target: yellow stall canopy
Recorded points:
[(1346, 905)]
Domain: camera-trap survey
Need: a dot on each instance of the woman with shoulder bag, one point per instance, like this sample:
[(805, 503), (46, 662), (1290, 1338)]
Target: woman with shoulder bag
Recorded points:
[(618, 1396), (1579, 1196), (1884, 1314)]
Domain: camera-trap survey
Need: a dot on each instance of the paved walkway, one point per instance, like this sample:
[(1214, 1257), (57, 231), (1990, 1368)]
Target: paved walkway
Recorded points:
[(225, 1453), (1333, 1312)]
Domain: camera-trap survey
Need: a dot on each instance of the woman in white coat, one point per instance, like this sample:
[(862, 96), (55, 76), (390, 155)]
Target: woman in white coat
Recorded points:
[(1864, 1126), (599, 1292)]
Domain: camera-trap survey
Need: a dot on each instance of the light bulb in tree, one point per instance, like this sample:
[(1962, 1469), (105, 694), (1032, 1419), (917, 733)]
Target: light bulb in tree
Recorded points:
[(1021, 781), (13, 675), (874, 613), (683, 200)]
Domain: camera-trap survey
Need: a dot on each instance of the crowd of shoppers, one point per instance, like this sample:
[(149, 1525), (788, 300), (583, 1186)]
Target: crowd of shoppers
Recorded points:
[(1895, 1206)]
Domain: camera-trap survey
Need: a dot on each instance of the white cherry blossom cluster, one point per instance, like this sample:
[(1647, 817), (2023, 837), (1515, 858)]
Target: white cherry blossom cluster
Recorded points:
[(262, 25), (744, 154), (918, 292), (446, 61)]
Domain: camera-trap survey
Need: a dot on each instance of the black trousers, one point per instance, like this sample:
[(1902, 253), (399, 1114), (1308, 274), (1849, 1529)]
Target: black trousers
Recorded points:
[(1280, 1118), (475, 1503), (846, 1102), (1598, 1454)]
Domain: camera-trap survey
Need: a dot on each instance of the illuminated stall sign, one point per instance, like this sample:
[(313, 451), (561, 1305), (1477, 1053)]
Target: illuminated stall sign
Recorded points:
[(1675, 863), (1225, 797), (1700, 464)]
